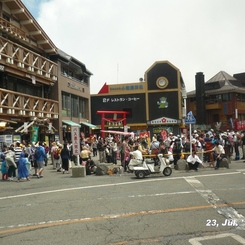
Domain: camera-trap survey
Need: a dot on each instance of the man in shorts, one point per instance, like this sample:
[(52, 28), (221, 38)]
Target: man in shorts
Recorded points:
[(40, 158)]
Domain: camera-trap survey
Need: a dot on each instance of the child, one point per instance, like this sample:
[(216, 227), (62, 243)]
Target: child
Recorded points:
[(4, 167)]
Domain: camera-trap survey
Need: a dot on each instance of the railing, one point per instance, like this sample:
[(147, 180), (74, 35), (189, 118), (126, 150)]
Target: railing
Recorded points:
[(21, 58), (12, 29), (75, 79), (15, 104)]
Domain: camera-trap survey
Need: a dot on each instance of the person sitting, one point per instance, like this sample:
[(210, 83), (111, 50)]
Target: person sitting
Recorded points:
[(219, 153), (90, 167), (137, 157), (193, 161)]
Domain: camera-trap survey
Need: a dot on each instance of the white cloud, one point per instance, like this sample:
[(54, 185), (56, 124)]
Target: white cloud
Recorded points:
[(118, 40)]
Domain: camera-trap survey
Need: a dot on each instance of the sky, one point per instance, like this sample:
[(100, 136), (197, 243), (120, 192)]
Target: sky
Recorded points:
[(118, 40)]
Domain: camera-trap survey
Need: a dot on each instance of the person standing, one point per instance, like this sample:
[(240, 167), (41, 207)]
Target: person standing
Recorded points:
[(101, 148), (46, 149), (17, 150), (113, 146), (227, 146), (94, 146), (4, 167), (243, 145), (10, 161), (53, 149), (23, 172), (124, 148), (40, 156), (237, 139), (65, 157)]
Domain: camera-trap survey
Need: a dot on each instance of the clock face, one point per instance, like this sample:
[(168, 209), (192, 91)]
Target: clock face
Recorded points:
[(162, 82)]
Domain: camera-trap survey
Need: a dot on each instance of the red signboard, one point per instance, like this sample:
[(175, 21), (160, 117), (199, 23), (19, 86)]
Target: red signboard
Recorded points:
[(240, 125)]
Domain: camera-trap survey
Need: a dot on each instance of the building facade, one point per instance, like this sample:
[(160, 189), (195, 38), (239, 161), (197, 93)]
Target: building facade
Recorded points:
[(73, 93), (153, 104), (221, 100), (43, 91)]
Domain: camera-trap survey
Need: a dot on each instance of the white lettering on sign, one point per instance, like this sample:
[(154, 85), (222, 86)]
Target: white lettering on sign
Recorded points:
[(129, 99)]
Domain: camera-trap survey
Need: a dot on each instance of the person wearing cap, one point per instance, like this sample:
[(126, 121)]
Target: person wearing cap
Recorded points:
[(193, 161), (219, 153)]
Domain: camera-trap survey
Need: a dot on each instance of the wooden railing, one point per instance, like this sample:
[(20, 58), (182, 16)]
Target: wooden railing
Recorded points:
[(18, 104), (12, 29), (22, 58)]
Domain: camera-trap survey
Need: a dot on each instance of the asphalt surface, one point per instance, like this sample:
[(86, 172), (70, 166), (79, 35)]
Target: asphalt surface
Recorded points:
[(204, 207)]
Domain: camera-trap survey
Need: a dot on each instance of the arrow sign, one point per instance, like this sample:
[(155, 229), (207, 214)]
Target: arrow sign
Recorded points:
[(190, 119)]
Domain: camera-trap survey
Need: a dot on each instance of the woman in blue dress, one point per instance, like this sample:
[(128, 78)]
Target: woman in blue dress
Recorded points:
[(23, 172)]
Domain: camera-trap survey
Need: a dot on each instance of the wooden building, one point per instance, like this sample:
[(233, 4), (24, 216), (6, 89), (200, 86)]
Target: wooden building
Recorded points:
[(221, 100)]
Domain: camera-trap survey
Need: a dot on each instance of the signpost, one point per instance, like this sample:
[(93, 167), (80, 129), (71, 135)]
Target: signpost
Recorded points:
[(190, 119), (75, 138)]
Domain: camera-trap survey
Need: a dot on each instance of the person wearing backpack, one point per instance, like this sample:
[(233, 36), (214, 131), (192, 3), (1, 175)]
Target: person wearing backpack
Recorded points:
[(40, 156), (227, 146), (56, 156), (177, 149), (10, 161)]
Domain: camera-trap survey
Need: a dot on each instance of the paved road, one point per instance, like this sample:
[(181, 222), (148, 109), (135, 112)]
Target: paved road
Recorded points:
[(204, 207)]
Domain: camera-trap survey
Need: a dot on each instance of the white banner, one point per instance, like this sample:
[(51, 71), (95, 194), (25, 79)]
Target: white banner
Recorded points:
[(75, 138)]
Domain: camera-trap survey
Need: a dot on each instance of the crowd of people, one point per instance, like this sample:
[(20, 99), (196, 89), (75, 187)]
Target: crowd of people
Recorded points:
[(209, 146), (20, 160)]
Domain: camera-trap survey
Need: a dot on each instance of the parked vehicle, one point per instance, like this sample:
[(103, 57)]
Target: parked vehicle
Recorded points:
[(147, 167)]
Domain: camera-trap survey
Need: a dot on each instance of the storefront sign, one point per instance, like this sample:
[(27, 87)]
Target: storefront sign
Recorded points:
[(127, 87), (120, 99), (74, 86), (163, 120)]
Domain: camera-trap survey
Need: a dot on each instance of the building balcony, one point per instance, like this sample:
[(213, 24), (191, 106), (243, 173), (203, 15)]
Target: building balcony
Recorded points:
[(22, 105), (24, 60), (11, 29)]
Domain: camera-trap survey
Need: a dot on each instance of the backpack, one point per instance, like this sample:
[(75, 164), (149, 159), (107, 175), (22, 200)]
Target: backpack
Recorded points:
[(9, 158), (37, 154), (56, 154), (177, 146), (187, 146), (227, 142)]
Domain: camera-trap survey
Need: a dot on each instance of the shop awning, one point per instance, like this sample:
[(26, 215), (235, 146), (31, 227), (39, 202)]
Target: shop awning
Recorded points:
[(71, 123), (89, 125)]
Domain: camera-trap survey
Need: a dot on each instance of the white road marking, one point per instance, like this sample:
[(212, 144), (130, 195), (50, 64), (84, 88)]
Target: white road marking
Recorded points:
[(195, 241), (135, 182), (211, 198)]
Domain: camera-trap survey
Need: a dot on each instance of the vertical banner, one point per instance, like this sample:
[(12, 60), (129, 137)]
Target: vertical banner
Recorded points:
[(34, 137), (75, 138)]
